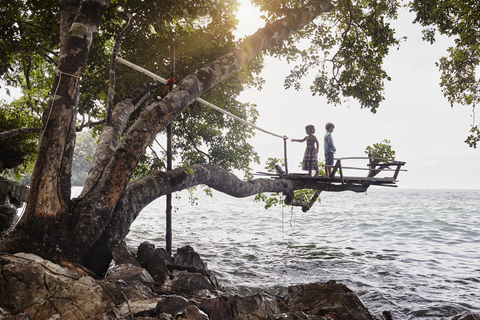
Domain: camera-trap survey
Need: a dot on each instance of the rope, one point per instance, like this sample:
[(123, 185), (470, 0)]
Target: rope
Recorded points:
[(208, 104), (59, 73)]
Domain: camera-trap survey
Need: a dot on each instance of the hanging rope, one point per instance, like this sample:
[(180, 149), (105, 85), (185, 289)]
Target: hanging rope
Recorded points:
[(208, 104)]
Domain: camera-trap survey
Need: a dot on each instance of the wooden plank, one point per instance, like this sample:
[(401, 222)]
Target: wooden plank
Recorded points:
[(356, 168), (367, 158), (395, 175), (335, 168)]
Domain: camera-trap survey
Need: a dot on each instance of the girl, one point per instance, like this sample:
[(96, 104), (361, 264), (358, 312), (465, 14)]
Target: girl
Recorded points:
[(310, 158)]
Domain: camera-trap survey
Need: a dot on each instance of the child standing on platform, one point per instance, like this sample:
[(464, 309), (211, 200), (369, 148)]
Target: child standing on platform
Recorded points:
[(329, 148), (310, 157)]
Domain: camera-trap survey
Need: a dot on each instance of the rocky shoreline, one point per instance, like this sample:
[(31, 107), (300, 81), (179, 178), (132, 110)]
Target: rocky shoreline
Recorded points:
[(155, 285)]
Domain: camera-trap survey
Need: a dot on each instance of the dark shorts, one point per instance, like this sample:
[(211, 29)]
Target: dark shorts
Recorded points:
[(329, 159)]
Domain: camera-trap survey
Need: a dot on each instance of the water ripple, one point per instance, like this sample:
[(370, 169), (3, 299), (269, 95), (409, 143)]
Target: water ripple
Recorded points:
[(414, 252)]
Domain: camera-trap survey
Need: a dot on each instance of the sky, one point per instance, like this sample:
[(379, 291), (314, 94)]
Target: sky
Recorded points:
[(423, 129)]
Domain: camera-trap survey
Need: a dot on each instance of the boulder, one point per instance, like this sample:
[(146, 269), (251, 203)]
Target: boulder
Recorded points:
[(138, 308), (328, 299), (132, 281), (12, 196), (122, 255), (158, 268), (29, 284), (384, 315), (192, 284), (258, 306), (187, 257), (145, 253), (165, 255), (33, 288), (193, 313), (219, 308), (172, 305)]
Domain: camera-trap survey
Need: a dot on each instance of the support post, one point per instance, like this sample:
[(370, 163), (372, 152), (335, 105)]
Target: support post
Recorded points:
[(285, 153), (168, 235)]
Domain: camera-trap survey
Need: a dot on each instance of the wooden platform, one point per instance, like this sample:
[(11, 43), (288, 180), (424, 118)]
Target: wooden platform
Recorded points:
[(374, 167)]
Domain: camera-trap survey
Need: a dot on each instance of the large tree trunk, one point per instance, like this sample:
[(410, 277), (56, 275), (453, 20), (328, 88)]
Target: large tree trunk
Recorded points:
[(82, 231)]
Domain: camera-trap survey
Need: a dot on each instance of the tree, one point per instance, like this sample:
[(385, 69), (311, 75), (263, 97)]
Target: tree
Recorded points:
[(83, 229), (459, 19), (74, 54)]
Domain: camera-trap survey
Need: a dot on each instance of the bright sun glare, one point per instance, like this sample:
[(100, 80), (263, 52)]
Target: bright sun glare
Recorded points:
[(249, 19)]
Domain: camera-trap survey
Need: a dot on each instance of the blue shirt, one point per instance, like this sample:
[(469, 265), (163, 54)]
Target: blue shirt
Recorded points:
[(328, 143)]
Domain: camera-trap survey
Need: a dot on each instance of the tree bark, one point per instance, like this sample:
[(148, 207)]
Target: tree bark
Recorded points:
[(46, 218)]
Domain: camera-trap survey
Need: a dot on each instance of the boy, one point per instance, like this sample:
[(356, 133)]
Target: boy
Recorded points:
[(329, 148)]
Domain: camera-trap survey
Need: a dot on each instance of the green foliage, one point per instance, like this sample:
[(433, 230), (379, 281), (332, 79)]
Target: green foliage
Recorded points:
[(276, 198), (474, 137), (200, 31), (381, 150), (346, 46), (17, 153), (459, 20)]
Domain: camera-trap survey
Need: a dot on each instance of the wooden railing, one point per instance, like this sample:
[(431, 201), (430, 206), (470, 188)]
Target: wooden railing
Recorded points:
[(374, 167)]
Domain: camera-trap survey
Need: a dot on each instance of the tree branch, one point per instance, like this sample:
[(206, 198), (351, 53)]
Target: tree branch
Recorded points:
[(15, 132), (145, 190), (110, 136), (95, 212), (159, 183)]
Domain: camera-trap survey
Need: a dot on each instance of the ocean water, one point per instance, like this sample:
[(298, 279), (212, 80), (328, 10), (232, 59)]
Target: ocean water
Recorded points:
[(413, 252)]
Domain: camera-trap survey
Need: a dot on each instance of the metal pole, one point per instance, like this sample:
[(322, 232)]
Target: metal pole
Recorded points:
[(285, 153), (168, 236)]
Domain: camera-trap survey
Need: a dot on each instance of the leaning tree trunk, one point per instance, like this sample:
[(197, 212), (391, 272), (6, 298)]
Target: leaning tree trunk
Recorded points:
[(143, 191), (75, 231), (46, 219)]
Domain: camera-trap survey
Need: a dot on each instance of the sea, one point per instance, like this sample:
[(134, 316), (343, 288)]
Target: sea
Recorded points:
[(415, 253)]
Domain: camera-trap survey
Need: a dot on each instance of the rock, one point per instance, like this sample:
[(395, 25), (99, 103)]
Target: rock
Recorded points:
[(33, 287), (145, 253), (7, 216), (139, 308), (193, 313), (258, 306), (191, 283), (261, 305), (326, 299), (158, 268), (466, 315), (172, 305), (187, 257), (165, 255), (220, 308), (122, 255), (131, 281), (384, 315), (29, 284), (12, 196)]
